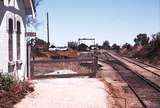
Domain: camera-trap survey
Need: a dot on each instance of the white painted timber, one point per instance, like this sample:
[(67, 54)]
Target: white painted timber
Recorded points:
[(15, 10)]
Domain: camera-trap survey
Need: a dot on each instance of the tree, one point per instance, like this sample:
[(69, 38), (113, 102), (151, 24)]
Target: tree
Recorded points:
[(91, 47), (73, 45), (33, 21), (39, 44), (152, 50), (141, 39), (98, 46), (155, 42), (82, 47), (52, 46), (106, 45), (115, 47), (127, 46)]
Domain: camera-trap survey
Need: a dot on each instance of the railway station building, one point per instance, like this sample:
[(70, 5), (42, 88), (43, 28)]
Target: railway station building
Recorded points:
[(13, 57)]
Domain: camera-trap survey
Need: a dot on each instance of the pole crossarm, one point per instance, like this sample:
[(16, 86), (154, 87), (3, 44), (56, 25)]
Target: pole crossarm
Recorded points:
[(86, 39), (81, 39)]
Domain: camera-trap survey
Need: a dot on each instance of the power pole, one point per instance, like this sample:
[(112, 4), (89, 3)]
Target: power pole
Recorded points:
[(48, 30)]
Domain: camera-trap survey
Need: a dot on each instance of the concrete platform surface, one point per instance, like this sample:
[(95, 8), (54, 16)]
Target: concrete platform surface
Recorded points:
[(66, 93)]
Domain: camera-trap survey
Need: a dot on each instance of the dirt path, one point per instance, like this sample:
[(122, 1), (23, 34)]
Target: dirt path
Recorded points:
[(66, 93)]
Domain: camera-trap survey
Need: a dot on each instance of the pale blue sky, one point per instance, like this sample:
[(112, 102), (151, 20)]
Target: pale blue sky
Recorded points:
[(118, 21)]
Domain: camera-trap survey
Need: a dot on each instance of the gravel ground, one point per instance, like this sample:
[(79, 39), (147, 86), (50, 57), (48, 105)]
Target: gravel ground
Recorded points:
[(64, 71), (66, 93), (118, 88)]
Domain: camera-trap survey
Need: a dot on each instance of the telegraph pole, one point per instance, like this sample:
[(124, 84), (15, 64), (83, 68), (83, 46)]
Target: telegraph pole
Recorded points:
[(48, 30)]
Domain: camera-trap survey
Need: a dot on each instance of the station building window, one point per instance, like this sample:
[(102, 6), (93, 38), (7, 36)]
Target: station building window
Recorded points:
[(18, 40), (10, 40)]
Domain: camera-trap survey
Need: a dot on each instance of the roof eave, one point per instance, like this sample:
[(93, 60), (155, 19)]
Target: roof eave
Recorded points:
[(33, 8), (30, 8)]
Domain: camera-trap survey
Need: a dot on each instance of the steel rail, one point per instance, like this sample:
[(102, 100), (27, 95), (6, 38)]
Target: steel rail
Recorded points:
[(143, 67), (151, 84), (155, 86)]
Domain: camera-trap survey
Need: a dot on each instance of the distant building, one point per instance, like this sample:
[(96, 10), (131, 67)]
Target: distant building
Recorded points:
[(13, 13)]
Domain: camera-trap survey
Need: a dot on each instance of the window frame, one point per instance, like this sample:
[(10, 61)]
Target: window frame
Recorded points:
[(10, 38), (18, 38)]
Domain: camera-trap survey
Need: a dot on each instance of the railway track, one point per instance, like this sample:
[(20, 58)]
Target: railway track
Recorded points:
[(145, 66), (147, 92), (150, 73)]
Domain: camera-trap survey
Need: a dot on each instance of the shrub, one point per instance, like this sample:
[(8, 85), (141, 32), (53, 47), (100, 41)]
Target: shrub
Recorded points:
[(106, 45), (73, 45), (82, 47), (115, 47), (5, 82), (141, 39), (127, 46), (12, 91)]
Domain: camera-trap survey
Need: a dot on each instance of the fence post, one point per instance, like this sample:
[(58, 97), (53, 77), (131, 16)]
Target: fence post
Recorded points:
[(30, 64), (95, 65)]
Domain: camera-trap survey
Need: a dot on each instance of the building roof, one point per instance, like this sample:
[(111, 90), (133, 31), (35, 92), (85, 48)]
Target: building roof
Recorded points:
[(30, 7)]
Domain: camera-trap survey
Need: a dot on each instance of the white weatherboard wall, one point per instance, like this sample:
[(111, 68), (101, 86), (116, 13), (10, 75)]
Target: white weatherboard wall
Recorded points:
[(15, 10)]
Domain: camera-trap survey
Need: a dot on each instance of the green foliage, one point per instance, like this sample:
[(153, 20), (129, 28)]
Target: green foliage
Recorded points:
[(106, 45), (127, 46), (5, 82), (16, 91), (52, 46), (145, 47), (37, 2), (82, 47), (73, 45), (141, 39), (37, 47), (115, 47), (33, 22), (154, 46), (39, 44), (155, 42)]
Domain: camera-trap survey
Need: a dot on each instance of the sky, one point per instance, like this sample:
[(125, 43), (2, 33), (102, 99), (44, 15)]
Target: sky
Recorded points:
[(118, 21)]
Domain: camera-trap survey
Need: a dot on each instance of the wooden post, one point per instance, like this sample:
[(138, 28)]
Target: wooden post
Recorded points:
[(48, 30), (28, 61), (95, 66), (30, 65), (32, 70)]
